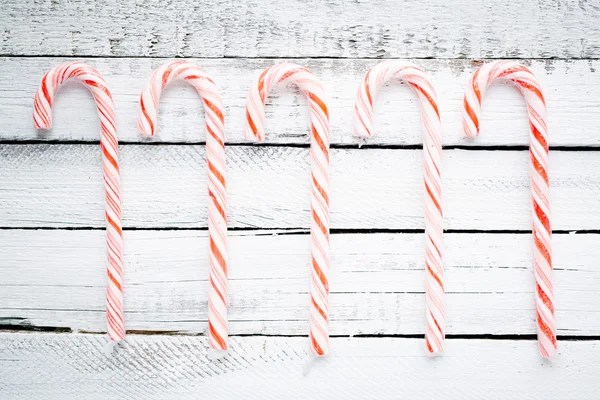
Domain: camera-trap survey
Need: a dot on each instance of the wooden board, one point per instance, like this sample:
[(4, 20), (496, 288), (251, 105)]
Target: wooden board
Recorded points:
[(57, 279), (269, 187), (570, 87), (64, 366), (332, 28)]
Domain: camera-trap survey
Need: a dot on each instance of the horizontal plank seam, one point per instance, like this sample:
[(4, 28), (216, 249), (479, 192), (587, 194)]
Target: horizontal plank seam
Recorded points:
[(355, 146), (228, 57), (485, 336), (301, 231)]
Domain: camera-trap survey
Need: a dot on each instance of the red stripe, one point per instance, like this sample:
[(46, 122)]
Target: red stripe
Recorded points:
[(320, 224), (435, 322), (215, 336), (99, 86), (251, 124), (475, 86), (212, 283), (45, 90), (316, 306), (216, 172), (321, 275), (320, 190), (434, 275), (319, 102), (538, 136), (114, 225), (367, 89), (319, 142), (114, 281), (214, 136), (437, 205), (316, 346), (220, 259), (539, 168), (546, 330), (214, 109), (217, 205), (531, 88), (541, 215), (109, 157), (545, 299), (148, 119), (471, 113), (542, 249), (429, 98), (261, 83)]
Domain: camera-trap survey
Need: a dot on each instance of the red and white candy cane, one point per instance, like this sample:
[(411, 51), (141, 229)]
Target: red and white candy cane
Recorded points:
[(432, 150), (529, 86), (319, 149), (215, 158), (42, 117)]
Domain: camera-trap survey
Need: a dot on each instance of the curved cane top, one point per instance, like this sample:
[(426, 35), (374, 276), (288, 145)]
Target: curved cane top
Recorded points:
[(319, 116), (432, 146), (42, 116), (529, 86), (195, 76), (215, 157)]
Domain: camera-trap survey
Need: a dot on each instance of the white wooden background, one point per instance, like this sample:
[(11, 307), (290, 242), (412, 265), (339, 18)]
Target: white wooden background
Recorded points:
[(52, 250)]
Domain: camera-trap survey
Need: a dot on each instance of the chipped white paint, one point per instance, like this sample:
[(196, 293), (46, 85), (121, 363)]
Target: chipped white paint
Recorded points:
[(269, 187), (571, 88), (55, 278), (169, 367), (296, 28)]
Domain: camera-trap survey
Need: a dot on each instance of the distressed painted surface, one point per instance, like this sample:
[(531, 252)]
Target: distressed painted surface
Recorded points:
[(571, 89), (269, 187), (171, 367), (296, 28), (377, 282)]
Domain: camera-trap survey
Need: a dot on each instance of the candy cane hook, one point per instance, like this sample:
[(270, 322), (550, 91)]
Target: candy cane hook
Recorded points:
[(319, 149), (529, 86), (42, 117), (215, 158), (432, 149)]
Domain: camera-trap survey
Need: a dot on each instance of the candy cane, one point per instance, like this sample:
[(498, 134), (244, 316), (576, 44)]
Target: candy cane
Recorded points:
[(215, 158), (529, 86), (42, 117), (432, 146), (319, 148)]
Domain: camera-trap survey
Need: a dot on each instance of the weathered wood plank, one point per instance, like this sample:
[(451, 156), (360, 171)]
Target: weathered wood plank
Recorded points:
[(571, 88), (333, 28), (63, 366), (269, 187), (57, 278)]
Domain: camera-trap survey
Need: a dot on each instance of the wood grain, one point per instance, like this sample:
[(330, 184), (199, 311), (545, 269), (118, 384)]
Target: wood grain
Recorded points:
[(56, 278), (269, 187), (571, 88), (332, 28), (61, 367)]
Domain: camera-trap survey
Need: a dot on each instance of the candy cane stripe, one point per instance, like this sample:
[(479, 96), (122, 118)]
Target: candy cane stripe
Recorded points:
[(524, 79), (319, 150), (432, 150), (215, 159), (42, 117)]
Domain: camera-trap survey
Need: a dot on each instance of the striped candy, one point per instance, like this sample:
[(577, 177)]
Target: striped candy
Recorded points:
[(42, 116), (319, 149), (215, 157), (524, 79), (432, 147)]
